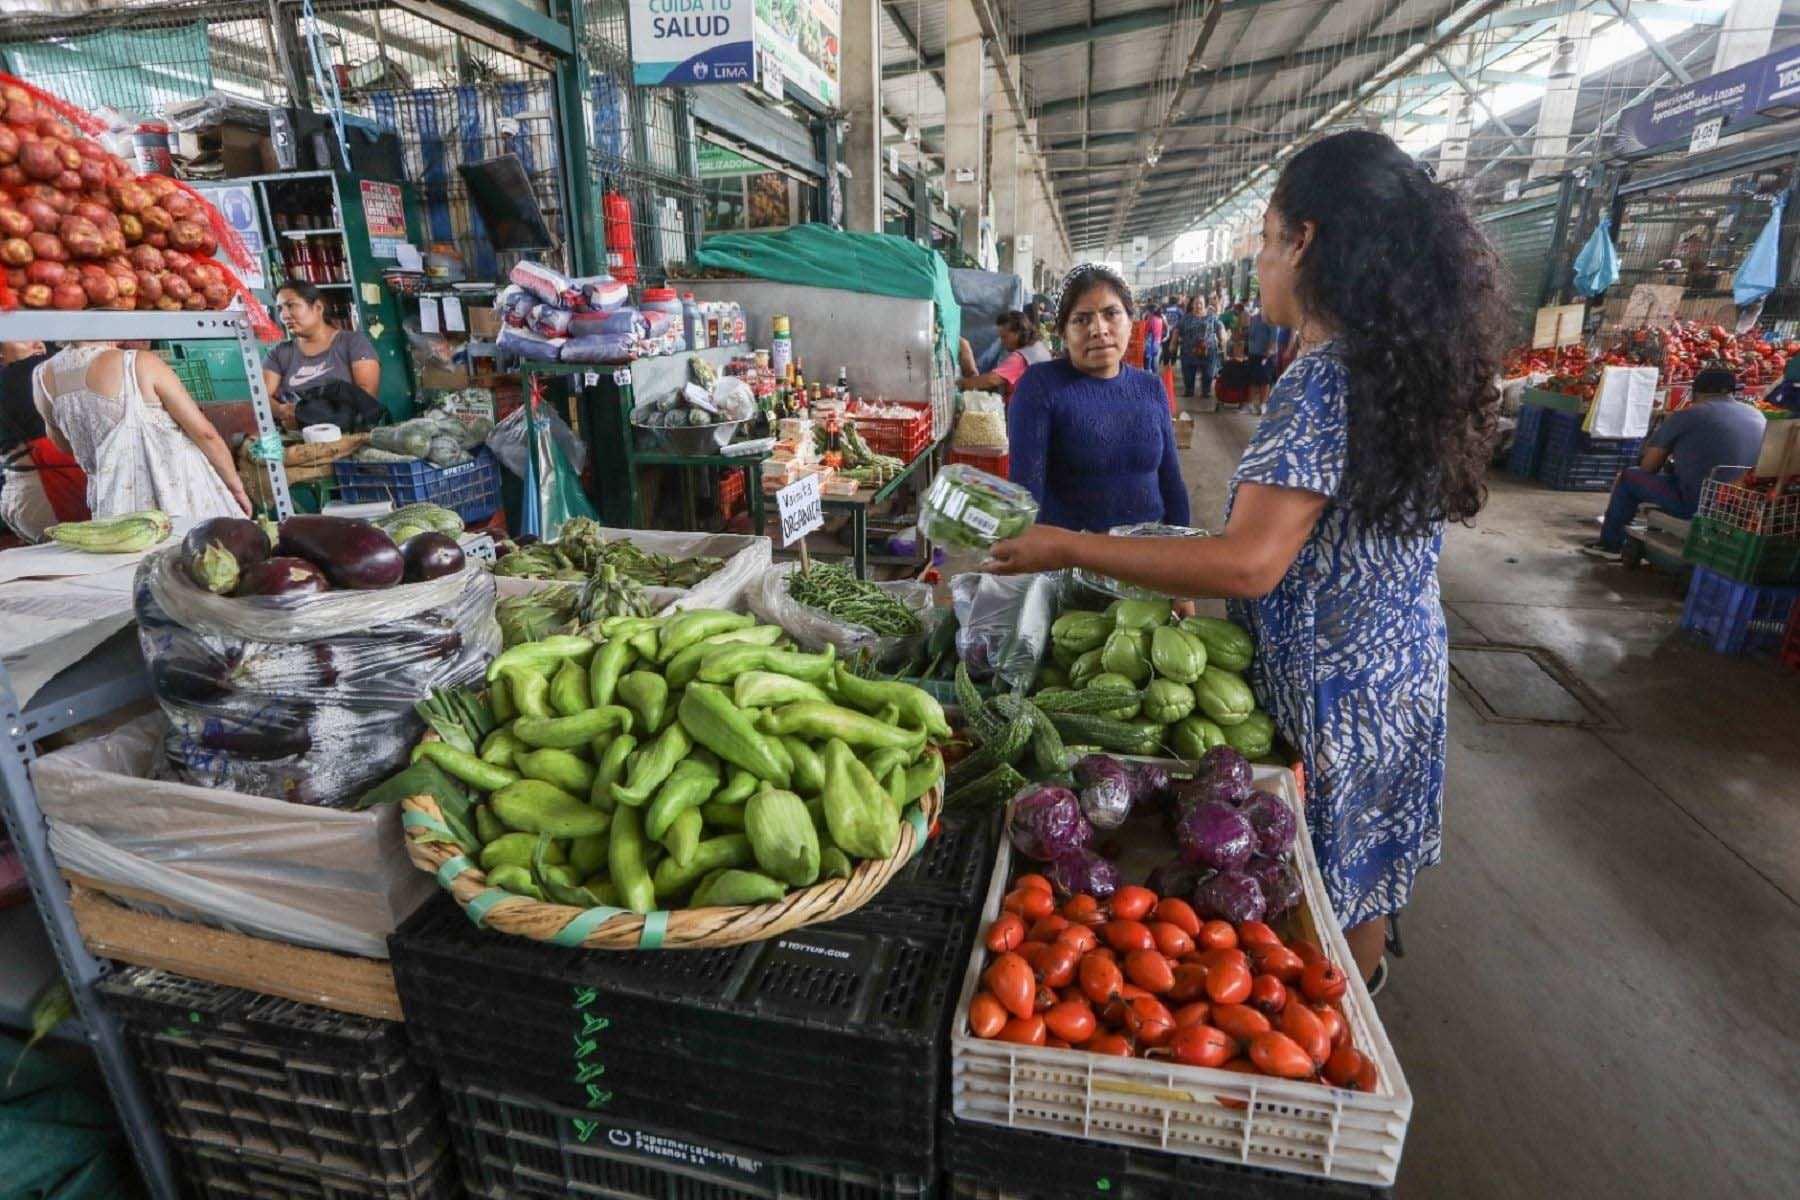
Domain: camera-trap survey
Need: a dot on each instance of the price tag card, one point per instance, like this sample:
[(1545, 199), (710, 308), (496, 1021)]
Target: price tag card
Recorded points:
[(1706, 135), (801, 512), (453, 315), (428, 316)]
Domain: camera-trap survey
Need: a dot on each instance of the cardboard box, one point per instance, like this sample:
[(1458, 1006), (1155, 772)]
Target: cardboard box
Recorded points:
[(446, 379), (484, 323), (246, 151)]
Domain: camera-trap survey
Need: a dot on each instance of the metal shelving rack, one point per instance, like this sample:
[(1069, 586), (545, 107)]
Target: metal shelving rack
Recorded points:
[(107, 679)]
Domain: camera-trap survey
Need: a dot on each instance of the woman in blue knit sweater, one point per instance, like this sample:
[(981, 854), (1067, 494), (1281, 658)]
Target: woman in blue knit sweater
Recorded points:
[(1090, 437)]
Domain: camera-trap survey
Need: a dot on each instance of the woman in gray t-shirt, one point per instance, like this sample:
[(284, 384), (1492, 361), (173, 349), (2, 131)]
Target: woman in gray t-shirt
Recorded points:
[(317, 352)]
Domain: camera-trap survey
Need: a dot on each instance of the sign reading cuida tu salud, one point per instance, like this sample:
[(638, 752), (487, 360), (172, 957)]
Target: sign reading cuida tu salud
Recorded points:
[(680, 42)]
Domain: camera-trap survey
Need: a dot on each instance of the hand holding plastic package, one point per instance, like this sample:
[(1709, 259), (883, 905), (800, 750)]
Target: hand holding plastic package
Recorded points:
[(306, 698)]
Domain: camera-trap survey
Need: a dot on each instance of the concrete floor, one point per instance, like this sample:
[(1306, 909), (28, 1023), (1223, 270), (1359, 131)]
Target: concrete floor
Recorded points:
[(1601, 983)]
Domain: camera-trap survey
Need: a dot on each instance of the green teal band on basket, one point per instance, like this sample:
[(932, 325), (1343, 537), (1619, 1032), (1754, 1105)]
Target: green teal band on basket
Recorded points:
[(477, 908), (584, 923), (267, 448), (453, 866), (916, 816), (418, 820), (656, 924)]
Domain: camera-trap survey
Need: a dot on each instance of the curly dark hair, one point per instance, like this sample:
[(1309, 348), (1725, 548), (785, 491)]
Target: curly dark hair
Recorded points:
[(1418, 295)]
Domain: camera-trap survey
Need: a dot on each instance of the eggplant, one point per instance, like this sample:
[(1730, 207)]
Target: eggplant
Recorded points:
[(431, 556), (285, 576), (353, 554), (216, 552)]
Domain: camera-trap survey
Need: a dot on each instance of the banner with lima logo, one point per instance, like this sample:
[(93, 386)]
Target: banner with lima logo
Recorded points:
[(679, 42)]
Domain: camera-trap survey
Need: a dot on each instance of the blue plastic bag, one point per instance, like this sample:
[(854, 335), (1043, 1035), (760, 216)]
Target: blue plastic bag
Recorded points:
[(1755, 277), (1597, 266)]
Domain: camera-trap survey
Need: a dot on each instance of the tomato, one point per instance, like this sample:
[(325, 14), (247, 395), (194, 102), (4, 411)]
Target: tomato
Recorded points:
[(1150, 971), (1071, 1021), (1033, 953), (1011, 980), (987, 1015), (1278, 961), (1178, 913), (1080, 937), (1255, 933), (1267, 993), (1005, 933), (1126, 936), (1323, 981), (1189, 982), (1213, 959), (1240, 1021), (1046, 929), (1035, 882), (1132, 903), (1197, 1013), (1131, 991), (1036, 905), (1100, 977), (1013, 901), (1058, 964), (1148, 1022), (1026, 1031), (1043, 1000), (1351, 1068), (1202, 1046), (1109, 1043), (1304, 1026), (1308, 950), (1056, 1043), (1083, 909), (1276, 1054), (1171, 939), (1227, 983), (1336, 1028), (1239, 1066), (1217, 935)]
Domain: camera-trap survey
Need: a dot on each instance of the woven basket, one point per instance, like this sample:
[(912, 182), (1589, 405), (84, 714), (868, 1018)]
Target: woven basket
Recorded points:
[(682, 929)]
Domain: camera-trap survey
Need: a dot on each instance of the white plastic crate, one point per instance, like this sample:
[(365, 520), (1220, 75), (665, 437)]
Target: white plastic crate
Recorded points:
[(1285, 1125)]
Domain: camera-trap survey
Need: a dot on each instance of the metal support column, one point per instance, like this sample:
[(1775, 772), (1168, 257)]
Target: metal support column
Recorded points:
[(568, 85)]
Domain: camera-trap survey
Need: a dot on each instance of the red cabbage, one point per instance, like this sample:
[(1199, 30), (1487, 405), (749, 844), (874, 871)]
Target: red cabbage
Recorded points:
[(1207, 789), (1106, 790), (1082, 870), (1047, 823), (1215, 835), (1230, 768), (1231, 896), (1273, 821), (1177, 877), (1148, 781), (1280, 884)]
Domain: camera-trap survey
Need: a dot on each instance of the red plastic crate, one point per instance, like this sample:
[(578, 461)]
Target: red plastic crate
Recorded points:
[(1790, 645), (903, 439), (993, 464), (731, 494)]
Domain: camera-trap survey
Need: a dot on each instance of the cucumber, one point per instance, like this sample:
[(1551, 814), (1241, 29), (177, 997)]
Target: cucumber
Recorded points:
[(1121, 737), (1088, 701)]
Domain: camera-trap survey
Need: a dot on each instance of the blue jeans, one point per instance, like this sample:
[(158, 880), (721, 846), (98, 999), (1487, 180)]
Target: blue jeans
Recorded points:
[(1205, 367), (1637, 487), (1150, 359)]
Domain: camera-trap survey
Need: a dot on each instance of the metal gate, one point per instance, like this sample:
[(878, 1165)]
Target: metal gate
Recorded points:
[(1529, 235)]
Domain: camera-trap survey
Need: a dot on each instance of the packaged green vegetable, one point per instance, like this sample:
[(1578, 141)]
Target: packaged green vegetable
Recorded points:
[(967, 507)]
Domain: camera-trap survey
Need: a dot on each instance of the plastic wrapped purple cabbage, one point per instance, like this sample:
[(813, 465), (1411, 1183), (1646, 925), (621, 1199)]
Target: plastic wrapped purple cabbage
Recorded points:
[(1177, 877), (1215, 835), (1206, 789), (1106, 790), (1280, 884), (1273, 821), (1047, 823), (1082, 870), (1148, 781), (1231, 896), (1230, 768)]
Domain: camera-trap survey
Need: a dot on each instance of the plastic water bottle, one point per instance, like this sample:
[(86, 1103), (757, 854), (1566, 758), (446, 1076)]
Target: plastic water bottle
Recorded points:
[(694, 322)]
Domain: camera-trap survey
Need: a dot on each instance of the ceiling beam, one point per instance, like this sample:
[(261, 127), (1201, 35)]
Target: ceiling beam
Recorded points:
[(1655, 47), (1158, 137)]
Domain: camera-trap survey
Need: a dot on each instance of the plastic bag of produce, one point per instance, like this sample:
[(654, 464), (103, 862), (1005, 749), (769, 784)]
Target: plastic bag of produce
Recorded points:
[(525, 344), (507, 441), (617, 321), (305, 698), (337, 880), (601, 348), (1003, 624), (546, 283), (1109, 589), (814, 629), (967, 507)]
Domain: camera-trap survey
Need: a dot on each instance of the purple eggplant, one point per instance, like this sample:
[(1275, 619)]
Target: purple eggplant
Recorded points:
[(431, 555), (216, 552), (283, 576), (353, 554)]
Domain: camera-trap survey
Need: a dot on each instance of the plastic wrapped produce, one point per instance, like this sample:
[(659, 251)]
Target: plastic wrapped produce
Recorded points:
[(305, 697), (967, 507), (601, 348), (1089, 584), (1003, 624), (528, 345)]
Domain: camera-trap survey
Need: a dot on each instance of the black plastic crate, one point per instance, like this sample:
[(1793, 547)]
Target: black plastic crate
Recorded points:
[(990, 1162), (219, 1173), (515, 1147)]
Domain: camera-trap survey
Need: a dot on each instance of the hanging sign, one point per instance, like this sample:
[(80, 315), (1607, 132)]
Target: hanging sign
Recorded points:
[(1706, 135), (237, 204), (385, 213), (800, 508), (802, 35), (681, 42), (1770, 84)]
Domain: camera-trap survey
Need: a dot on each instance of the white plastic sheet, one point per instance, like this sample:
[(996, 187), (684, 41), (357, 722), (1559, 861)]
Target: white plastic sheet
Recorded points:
[(306, 875)]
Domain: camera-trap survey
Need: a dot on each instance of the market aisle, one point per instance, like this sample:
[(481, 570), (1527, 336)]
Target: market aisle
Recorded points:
[(1600, 978)]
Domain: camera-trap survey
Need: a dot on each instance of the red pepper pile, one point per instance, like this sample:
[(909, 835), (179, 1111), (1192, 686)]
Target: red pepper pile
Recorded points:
[(1101, 976), (1679, 350)]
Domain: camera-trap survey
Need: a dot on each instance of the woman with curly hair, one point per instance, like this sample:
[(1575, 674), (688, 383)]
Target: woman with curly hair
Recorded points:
[(1375, 437)]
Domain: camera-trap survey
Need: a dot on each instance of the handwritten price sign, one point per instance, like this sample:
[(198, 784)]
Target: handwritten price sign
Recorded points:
[(800, 510)]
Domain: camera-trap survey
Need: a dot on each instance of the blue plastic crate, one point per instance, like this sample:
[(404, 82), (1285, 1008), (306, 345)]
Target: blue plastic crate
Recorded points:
[(471, 490), (1528, 442), (1737, 618), (1572, 461)]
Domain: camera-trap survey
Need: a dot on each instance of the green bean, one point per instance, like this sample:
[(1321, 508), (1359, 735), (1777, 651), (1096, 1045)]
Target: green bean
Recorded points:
[(834, 590)]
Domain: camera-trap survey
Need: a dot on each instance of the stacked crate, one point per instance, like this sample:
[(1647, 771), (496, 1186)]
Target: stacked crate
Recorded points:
[(1573, 461), (815, 1057)]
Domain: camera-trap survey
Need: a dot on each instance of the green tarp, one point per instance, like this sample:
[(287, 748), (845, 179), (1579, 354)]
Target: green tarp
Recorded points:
[(137, 71), (877, 264), (59, 1137)]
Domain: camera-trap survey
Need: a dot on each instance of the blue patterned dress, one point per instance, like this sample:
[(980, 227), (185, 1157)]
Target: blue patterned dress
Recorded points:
[(1351, 658)]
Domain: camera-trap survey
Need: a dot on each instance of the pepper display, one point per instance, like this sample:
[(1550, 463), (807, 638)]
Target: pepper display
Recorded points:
[(697, 759)]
